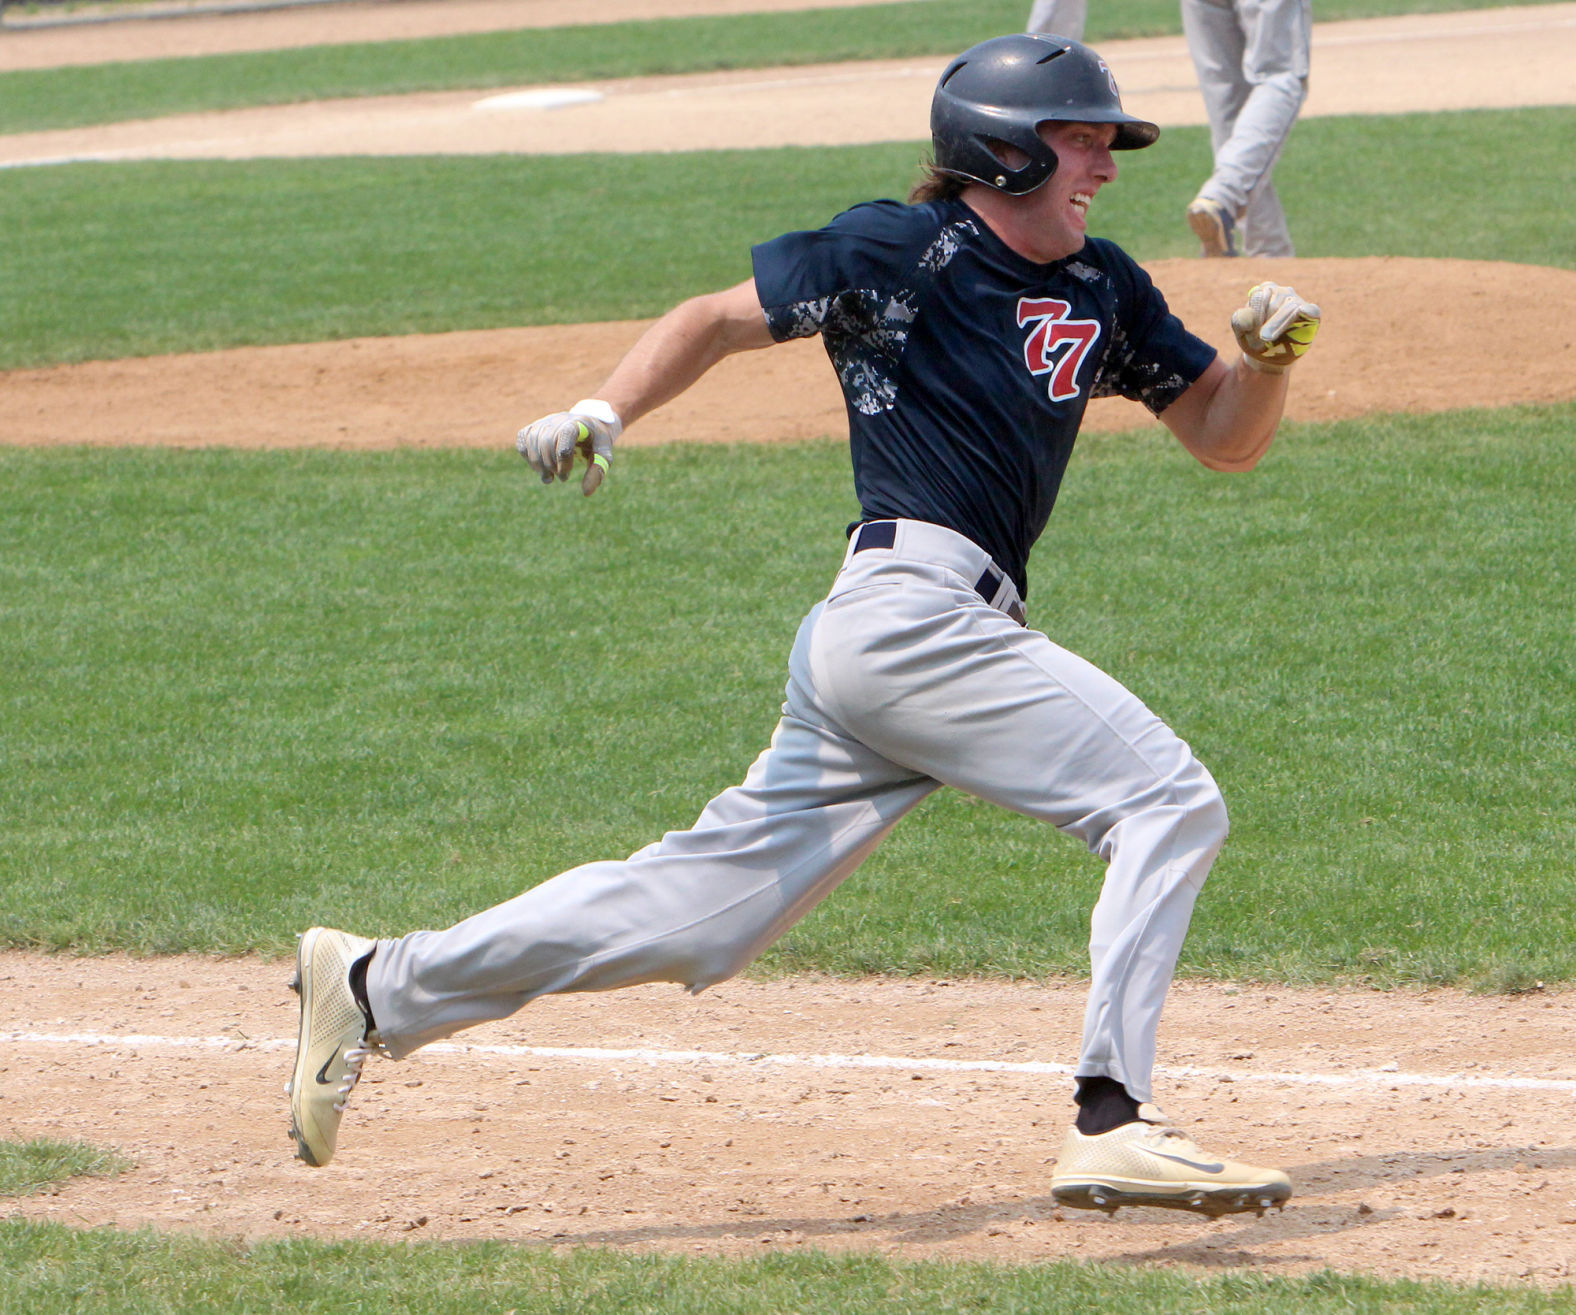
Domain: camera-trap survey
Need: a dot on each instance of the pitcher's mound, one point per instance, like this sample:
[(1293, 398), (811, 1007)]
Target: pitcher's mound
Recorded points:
[(1398, 335)]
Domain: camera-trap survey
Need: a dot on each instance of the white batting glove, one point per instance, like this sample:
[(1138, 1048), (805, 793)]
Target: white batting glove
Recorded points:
[(1275, 328), (589, 427)]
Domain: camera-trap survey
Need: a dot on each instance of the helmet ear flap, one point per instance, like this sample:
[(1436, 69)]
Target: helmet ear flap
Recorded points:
[(1021, 172), (1007, 157), (1020, 179)]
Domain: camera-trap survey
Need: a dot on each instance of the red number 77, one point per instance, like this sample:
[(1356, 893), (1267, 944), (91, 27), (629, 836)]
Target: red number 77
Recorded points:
[(1056, 346)]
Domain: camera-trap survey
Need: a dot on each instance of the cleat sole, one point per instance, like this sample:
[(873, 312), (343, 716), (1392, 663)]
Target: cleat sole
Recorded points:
[(1109, 1197)]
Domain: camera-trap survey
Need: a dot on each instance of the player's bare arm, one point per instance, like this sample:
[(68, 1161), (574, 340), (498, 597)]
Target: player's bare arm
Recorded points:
[(670, 356), (680, 347), (1228, 418)]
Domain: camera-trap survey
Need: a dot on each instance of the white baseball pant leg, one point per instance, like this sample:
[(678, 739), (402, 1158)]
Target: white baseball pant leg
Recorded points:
[(902, 679), (1063, 18), (1252, 59)]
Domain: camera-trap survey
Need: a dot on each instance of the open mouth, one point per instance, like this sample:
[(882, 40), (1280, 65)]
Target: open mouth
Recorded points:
[(1083, 201)]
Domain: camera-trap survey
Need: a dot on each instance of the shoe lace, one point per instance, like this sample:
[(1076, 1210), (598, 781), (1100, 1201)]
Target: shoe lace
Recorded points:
[(355, 1057), (1173, 1138)]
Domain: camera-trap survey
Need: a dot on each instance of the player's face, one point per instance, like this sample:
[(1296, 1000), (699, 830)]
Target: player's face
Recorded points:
[(1084, 165)]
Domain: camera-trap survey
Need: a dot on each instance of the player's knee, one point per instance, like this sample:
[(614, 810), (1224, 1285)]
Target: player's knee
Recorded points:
[(1214, 817), (701, 964), (1285, 86), (1185, 806), (1206, 807)]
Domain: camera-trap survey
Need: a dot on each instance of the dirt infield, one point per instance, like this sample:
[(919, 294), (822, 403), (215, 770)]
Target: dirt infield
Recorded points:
[(1426, 1133), (477, 388)]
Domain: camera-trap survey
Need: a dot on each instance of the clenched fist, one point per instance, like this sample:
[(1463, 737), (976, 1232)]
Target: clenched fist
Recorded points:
[(1275, 328), (589, 427)]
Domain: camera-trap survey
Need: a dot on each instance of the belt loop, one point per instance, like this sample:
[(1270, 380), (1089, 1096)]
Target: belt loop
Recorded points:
[(875, 534), (989, 587)]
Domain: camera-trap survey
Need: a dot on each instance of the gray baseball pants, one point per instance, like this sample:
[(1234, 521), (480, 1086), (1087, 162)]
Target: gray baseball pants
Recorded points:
[(1063, 18), (903, 679), (1252, 58)]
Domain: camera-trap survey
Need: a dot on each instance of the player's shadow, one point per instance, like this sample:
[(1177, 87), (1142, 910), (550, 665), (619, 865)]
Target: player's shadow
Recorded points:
[(1364, 1171), (943, 1222), (1312, 1214), (1309, 1215)]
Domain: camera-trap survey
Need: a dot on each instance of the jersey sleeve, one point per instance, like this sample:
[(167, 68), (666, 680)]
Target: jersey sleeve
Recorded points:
[(839, 277), (1152, 357)]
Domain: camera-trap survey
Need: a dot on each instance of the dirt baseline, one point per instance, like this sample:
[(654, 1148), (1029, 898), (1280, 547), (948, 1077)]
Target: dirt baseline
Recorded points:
[(1426, 1134)]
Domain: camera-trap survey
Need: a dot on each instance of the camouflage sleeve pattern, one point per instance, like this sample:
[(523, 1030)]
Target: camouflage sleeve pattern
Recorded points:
[(1150, 357), (865, 329), (1124, 373)]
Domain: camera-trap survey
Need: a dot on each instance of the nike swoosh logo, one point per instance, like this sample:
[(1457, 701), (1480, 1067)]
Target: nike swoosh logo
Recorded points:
[(323, 1080), (1191, 1164)]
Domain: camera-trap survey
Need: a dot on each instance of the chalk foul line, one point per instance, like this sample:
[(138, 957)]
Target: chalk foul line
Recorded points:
[(1379, 1077)]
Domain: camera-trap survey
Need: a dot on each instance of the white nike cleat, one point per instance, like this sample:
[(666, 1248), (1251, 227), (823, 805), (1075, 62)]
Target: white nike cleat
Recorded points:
[(333, 1042), (1151, 1163)]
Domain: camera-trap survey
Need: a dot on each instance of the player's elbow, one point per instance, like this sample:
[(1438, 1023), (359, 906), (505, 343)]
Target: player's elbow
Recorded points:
[(1233, 443), (729, 321), (1229, 454), (1230, 465)]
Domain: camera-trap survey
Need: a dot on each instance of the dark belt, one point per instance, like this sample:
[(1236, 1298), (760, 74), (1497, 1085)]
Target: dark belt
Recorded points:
[(883, 534)]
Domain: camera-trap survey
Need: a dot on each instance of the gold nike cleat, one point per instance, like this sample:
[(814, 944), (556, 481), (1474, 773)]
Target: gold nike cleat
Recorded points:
[(333, 1042), (1151, 1163), (1214, 226)]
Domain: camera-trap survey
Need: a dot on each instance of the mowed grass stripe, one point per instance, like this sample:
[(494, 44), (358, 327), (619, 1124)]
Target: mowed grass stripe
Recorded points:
[(32, 100), (48, 1269), (244, 692), (70, 97), (137, 259)]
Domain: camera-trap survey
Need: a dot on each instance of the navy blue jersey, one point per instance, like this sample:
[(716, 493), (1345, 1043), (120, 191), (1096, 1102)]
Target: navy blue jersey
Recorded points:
[(965, 367)]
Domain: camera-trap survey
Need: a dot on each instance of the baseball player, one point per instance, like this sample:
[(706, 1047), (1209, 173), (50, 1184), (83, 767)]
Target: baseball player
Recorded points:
[(969, 329)]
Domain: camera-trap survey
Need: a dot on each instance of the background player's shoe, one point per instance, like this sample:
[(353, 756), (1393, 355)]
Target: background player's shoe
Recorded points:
[(1214, 225), (1150, 1163), (334, 1040)]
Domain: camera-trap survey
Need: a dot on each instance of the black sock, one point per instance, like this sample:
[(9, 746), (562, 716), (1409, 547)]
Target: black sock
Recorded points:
[(1103, 1104), (358, 987)]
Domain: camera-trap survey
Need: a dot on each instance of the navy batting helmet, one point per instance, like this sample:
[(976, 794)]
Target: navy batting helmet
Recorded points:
[(1004, 89)]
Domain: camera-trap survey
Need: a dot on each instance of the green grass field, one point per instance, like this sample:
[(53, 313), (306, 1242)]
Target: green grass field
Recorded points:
[(243, 692), (72, 97), (229, 713), (137, 259), (37, 1166), (49, 1270), (57, 1271)]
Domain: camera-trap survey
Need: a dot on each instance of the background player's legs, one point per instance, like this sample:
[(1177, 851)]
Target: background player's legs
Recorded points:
[(1216, 43), (694, 907), (1063, 18), (1005, 714), (1264, 228), (1251, 58)]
